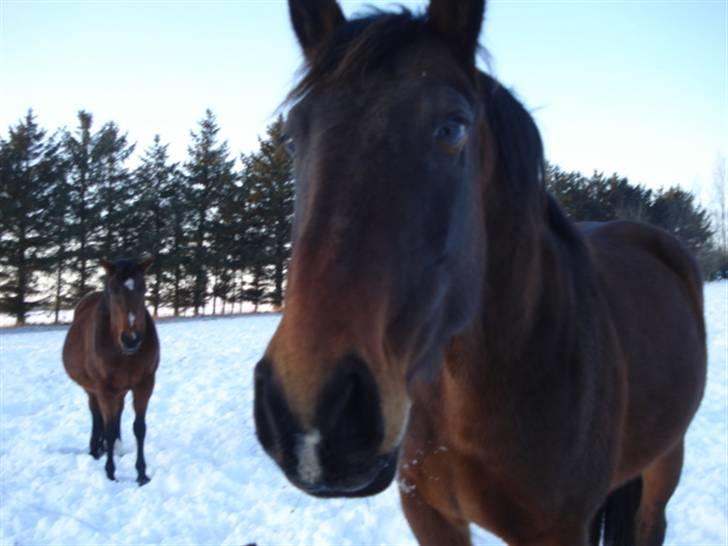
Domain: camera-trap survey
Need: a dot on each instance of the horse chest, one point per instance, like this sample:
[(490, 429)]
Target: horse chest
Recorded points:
[(119, 373), (495, 495), (504, 482)]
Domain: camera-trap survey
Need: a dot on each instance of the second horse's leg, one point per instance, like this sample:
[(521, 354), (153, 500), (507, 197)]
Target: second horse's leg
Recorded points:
[(117, 430), (111, 404), (96, 444), (142, 393)]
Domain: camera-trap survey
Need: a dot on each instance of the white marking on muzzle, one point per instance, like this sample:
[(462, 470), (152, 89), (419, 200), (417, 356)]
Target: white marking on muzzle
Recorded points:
[(129, 283), (309, 466), (132, 318)]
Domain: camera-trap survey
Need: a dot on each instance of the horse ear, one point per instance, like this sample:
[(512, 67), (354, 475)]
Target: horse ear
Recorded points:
[(459, 24), (313, 21), (145, 263), (107, 265)]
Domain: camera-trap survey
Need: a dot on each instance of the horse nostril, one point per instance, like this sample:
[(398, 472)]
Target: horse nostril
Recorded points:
[(275, 424), (349, 413), (263, 423), (130, 341)]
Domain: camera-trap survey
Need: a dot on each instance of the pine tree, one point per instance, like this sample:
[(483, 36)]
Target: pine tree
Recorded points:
[(82, 202), (118, 222), (102, 223), (29, 167), (208, 172), (225, 258), (59, 240), (156, 183), (268, 173), (675, 210)]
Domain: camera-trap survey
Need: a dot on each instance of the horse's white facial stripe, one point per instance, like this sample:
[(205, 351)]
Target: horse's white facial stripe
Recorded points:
[(129, 283), (132, 318), (309, 466)]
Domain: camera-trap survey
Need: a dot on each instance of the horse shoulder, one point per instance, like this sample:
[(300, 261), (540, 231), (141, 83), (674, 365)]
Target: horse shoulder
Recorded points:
[(86, 305), (76, 347), (155, 348)]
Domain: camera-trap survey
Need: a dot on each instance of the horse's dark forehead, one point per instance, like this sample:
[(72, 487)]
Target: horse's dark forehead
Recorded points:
[(125, 269), (421, 78)]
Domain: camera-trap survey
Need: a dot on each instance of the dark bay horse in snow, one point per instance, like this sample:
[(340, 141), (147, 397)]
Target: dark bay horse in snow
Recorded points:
[(443, 316), (111, 348)]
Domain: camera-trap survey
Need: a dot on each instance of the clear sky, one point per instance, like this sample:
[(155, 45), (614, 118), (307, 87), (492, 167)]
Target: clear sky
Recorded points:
[(639, 87)]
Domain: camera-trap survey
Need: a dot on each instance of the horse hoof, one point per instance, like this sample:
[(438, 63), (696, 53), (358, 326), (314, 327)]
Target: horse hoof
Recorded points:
[(143, 480), (97, 449)]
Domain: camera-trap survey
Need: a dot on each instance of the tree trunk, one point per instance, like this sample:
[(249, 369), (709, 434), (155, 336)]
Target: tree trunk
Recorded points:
[(59, 280), (176, 291)]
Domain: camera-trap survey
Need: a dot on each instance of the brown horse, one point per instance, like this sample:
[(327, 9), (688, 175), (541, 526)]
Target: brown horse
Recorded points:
[(111, 348), (442, 315)]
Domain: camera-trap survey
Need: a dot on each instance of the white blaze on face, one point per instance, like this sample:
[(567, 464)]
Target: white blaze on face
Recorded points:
[(309, 467), (129, 283), (132, 318)]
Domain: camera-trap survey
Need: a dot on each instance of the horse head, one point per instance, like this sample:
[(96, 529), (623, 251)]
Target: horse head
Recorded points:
[(124, 297), (389, 142)]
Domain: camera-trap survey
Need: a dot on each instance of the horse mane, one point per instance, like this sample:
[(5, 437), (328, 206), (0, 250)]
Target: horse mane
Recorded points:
[(534, 221), (518, 144), (521, 157)]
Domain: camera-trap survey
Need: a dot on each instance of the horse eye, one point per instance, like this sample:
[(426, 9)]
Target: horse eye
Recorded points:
[(452, 133), (288, 144)]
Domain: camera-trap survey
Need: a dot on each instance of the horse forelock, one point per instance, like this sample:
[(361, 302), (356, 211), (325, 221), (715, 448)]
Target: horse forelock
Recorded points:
[(126, 273), (362, 45)]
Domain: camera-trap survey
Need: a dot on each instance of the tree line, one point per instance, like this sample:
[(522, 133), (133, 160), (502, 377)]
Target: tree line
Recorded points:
[(601, 198), (220, 234)]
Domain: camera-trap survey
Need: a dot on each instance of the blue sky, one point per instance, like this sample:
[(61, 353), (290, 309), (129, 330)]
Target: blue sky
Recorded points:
[(638, 87)]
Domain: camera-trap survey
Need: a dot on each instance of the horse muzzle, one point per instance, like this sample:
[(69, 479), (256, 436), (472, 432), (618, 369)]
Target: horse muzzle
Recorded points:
[(336, 455), (130, 342)]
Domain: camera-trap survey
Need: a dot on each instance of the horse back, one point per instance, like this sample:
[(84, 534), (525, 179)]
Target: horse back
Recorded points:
[(653, 289)]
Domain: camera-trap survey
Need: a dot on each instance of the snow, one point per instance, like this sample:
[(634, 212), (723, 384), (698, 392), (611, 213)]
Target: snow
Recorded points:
[(211, 482)]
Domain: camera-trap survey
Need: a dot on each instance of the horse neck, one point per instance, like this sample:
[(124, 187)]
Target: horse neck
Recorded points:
[(528, 317)]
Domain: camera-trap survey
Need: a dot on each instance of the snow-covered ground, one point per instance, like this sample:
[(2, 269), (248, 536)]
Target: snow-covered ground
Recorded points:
[(46, 317), (211, 482)]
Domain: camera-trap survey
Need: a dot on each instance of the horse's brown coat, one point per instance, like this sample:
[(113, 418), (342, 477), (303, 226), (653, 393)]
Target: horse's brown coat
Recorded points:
[(552, 368), (93, 357)]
